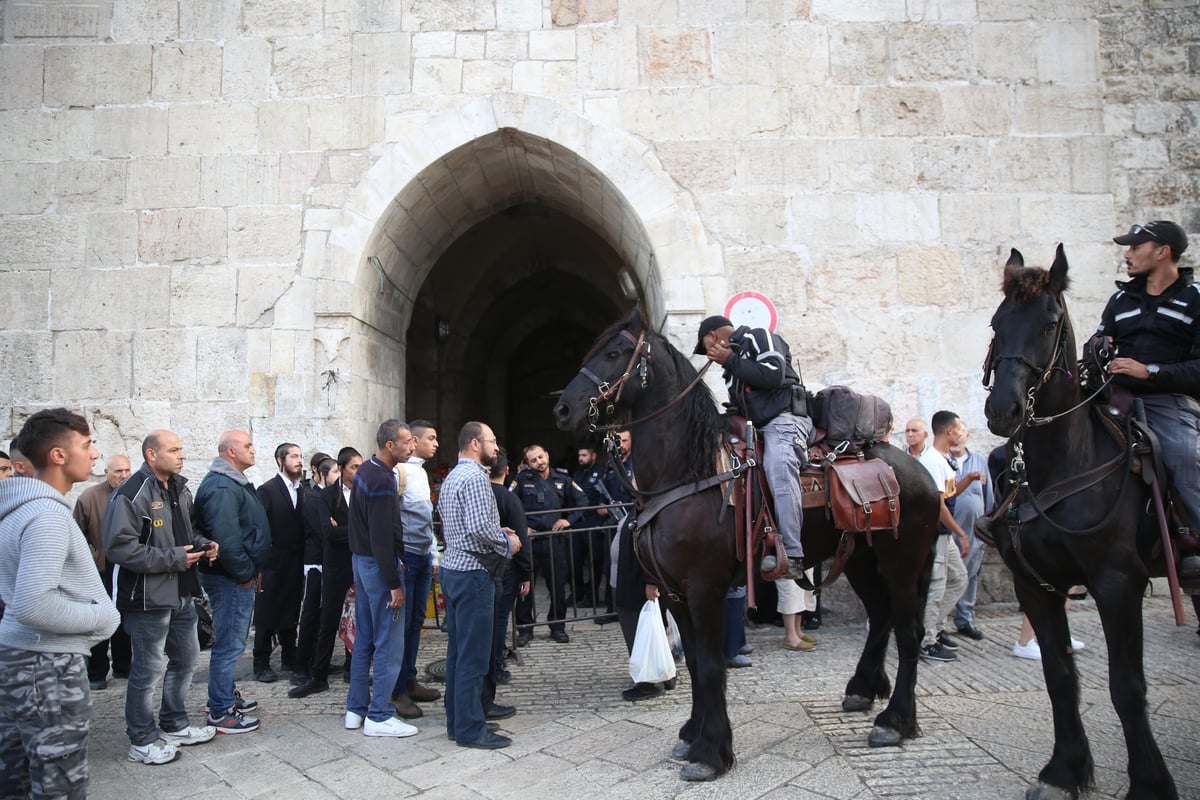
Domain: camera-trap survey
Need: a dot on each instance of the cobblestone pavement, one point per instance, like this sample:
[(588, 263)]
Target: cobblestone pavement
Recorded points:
[(985, 719)]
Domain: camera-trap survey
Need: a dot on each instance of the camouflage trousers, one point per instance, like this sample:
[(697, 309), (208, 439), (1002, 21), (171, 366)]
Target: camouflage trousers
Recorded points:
[(45, 714)]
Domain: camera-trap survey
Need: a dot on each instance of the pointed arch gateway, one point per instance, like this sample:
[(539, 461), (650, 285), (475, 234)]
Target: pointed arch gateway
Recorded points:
[(484, 252)]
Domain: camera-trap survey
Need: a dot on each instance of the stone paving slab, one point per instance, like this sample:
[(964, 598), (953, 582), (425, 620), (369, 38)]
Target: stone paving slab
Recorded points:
[(985, 721)]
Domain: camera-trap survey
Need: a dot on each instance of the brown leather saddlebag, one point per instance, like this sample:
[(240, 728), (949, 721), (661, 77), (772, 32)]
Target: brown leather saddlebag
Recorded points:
[(863, 495)]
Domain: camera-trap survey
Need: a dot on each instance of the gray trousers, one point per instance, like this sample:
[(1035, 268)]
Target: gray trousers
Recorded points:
[(1175, 419), (946, 586), (785, 453)]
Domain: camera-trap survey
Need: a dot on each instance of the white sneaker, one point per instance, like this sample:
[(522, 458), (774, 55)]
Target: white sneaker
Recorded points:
[(190, 735), (389, 727), (1076, 644), (157, 752), (1032, 651), (353, 721)]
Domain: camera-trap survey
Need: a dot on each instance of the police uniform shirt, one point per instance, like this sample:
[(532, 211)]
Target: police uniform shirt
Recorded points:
[(558, 491)]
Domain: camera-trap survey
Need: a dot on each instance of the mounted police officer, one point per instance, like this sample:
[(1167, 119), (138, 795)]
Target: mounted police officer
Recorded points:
[(1154, 322), (765, 389), (542, 489)]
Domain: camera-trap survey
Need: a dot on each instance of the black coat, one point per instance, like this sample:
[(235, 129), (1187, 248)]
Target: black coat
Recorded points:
[(335, 539), (278, 605), (512, 515)]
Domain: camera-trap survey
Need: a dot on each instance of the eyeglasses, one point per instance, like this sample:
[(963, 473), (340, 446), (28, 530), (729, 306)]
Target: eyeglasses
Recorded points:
[(486, 441), (1141, 230)]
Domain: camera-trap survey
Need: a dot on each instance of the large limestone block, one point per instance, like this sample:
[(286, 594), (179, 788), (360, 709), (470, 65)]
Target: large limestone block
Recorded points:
[(42, 242), (112, 239), (858, 53), (240, 180), (747, 220), (172, 182), (297, 172), (520, 15), (204, 129), (1041, 110), (706, 167), (164, 363), (923, 53), (27, 292), (825, 111), (1050, 218), (96, 75), (437, 15), (22, 70), (213, 19), (28, 188), (203, 295), (823, 217), (346, 123), (198, 234), (675, 56), (788, 55), (663, 114), (750, 112), (441, 44), (956, 163), (283, 126), (990, 218), (870, 164), (317, 66), (26, 361), (471, 46), (45, 135), (566, 13), (110, 298), (246, 69), (221, 365), (859, 10), (898, 216), (1068, 51), (1035, 10), (91, 185), (381, 63), (1004, 51), (976, 110), (280, 18), (901, 111), (487, 77), (130, 132), (790, 165), (604, 57), (145, 21), (777, 273), (95, 365), (46, 19), (264, 234), (186, 71), (506, 45), (551, 45), (437, 76), (259, 289), (1091, 167), (929, 276), (1030, 164), (841, 272)]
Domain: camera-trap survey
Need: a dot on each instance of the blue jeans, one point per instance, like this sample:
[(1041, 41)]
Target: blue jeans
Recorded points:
[(159, 638), (232, 606), (1175, 419), (379, 637), (469, 618), (418, 578), (784, 454)]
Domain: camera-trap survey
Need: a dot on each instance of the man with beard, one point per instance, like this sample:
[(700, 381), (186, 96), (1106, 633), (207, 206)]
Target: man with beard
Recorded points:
[(277, 607), (476, 548)]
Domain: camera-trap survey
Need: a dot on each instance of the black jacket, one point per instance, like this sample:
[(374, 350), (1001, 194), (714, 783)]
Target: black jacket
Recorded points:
[(228, 511), (512, 515), (759, 376), (1163, 330)]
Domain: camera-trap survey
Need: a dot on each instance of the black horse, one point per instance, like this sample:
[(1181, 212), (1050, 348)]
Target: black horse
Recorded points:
[(676, 435), (1083, 531)]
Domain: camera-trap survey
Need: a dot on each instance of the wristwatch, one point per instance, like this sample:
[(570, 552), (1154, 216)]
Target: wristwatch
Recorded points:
[(1153, 370)]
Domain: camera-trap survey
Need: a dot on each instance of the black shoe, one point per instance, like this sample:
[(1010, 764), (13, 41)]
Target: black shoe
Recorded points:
[(490, 741), (812, 622), (643, 691), (98, 684), (498, 711), (265, 675), (311, 686), (945, 641), (299, 678), (523, 638), (489, 727), (970, 631), (504, 678), (120, 673), (935, 652), (560, 636), (669, 684)]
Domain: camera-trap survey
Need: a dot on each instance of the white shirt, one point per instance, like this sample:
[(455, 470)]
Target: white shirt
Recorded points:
[(943, 474)]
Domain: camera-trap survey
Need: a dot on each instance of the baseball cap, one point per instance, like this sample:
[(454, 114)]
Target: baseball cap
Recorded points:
[(708, 326), (1161, 231)]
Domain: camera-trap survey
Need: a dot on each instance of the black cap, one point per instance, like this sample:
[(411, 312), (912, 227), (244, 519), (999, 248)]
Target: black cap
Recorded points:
[(708, 326), (1161, 231)]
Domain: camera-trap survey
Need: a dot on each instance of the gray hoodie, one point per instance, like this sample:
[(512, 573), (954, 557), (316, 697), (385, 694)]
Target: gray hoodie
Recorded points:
[(55, 600)]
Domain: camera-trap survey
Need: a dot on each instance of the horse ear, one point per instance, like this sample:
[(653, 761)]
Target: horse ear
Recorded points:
[(1058, 271), (1015, 259), (636, 322)]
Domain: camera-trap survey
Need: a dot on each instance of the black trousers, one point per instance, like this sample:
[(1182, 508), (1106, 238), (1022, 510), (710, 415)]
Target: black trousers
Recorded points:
[(310, 620), (549, 556), (335, 582), (98, 663)]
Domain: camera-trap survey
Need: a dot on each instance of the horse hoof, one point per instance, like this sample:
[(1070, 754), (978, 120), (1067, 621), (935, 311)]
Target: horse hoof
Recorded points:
[(697, 771), (884, 737), (1044, 791), (680, 751), (856, 702)]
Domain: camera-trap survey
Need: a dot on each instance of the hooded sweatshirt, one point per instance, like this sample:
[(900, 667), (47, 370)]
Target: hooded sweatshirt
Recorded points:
[(55, 600)]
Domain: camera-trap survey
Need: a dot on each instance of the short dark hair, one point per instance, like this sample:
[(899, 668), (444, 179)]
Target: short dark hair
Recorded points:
[(282, 450), (344, 456), (149, 443), (472, 430), (4, 455), (421, 425), (317, 458), (500, 464), (942, 421), (325, 467), (389, 431), (46, 430), (591, 448)]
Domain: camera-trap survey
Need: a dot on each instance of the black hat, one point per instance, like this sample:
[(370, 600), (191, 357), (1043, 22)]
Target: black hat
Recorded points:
[(708, 326), (1161, 231)]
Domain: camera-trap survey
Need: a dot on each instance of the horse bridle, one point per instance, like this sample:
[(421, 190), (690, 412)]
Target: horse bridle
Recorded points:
[(991, 362)]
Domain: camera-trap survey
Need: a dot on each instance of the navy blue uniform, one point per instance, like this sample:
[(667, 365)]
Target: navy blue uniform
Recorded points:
[(550, 553)]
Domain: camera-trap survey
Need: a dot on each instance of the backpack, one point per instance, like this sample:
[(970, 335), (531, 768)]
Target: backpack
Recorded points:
[(851, 420)]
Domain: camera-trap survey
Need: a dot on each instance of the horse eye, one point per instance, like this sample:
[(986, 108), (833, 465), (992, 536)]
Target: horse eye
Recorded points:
[(612, 354)]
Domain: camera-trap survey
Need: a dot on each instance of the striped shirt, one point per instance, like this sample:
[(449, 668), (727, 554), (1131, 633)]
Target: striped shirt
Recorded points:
[(470, 521)]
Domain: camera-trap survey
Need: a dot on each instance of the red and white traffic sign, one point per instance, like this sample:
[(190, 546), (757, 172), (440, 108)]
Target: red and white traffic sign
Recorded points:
[(752, 309)]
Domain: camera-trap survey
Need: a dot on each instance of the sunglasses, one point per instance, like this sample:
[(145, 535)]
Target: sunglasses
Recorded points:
[(1140, 230)]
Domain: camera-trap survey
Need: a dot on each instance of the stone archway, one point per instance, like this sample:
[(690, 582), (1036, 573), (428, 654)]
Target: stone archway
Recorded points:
[(460, 186)]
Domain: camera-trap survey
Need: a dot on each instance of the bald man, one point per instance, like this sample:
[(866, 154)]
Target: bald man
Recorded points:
[(228, 511), (89, 513), (916, 437)]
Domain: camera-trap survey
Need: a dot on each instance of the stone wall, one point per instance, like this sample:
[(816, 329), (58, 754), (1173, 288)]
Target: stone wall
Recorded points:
[(191, 189)]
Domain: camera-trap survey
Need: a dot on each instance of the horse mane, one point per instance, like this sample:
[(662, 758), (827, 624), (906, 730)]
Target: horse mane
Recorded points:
[(1022, 284), (702, 423)]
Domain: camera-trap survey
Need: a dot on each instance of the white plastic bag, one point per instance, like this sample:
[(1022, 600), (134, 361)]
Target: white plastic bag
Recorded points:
[(651, 661), (674, 638)]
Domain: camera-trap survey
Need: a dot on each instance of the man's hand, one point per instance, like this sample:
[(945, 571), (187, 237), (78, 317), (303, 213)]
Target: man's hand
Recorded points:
[(1128, 366), (651, 591), (397, 598), (560, 524), (719, 352), (524, 588), (193, 554), (964, 543), (514, 541)]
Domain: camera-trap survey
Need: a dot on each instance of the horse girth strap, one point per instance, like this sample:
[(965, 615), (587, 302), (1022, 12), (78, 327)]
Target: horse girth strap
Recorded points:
[(1052, 495), (648, 511)]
